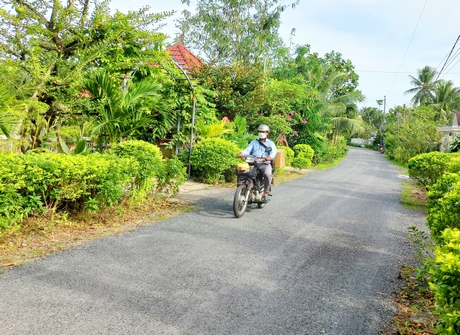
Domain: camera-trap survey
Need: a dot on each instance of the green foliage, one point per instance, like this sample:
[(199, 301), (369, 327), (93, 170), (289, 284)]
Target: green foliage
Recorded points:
[(217, 129), (427, 168), (240, 135), (12, 182), (50, 54), (303, 155), (331, 150), (445, 282), (171, 176), (445, 213), (118, 113), (225, 31), (238, 88), (37, 181), (288, 154), (149, 158), (212, 158), (411, 134), (441, 187), (303, 150), (455, 145)]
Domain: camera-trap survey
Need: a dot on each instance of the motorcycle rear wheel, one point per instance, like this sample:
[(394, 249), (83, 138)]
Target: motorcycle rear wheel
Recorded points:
[(239, 201)]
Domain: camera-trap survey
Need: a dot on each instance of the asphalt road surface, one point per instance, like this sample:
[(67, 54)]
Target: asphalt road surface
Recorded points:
[(321, 258)]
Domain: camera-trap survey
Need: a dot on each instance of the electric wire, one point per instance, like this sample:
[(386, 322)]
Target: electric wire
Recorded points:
[(450, 53), (410, 42), (451, 64)]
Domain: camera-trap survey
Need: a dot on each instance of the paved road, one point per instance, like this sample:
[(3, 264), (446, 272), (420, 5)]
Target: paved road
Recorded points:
[(321, 258)]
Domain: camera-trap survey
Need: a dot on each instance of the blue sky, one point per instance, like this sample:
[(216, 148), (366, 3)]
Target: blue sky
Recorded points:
[(377, 36)]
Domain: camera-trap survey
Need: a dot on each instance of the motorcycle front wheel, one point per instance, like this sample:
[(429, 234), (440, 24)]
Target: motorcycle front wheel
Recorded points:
[(239, 201)]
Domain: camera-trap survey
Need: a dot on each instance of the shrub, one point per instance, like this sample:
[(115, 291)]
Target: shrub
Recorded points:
[(39, 181), (149, 158), (288, 155), (445, 212), (12, 182), (212, 158), (303, 155), (70, 181), (445, 282), (427, 168), (443, 185), (331, 150), (172, 174)]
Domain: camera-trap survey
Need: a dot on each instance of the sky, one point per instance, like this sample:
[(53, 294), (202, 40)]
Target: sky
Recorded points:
[(386, 40)]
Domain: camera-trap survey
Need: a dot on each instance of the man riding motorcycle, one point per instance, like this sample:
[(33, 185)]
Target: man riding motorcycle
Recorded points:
[(265, 150)]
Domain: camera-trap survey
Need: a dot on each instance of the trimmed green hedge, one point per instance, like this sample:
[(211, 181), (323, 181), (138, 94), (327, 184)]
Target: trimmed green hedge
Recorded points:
[(213, 158), (445, 282), (37, 182), (303, 155), (427, 168)]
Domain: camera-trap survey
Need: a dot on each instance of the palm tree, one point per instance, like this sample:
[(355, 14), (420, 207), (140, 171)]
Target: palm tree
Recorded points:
[(446, 99), (424, 85), (11, 112), (120, 113), (372, 116), (341, 111)]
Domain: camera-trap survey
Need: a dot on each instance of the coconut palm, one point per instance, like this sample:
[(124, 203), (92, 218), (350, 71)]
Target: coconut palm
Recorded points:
[(342, 111), (11, 112), (424, 85), (446, 99), (372, 116), (120, 113)]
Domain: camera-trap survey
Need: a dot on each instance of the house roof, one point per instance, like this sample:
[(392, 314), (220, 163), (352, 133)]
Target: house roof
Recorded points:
[(456, 120), (184, 57)]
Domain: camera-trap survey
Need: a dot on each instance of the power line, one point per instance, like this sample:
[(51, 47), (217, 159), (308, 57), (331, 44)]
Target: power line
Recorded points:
[(450, 53), (410, 42), (390, 72)]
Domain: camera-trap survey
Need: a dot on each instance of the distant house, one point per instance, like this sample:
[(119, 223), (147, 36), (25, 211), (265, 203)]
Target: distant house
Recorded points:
[(450, 133), (184, 57)]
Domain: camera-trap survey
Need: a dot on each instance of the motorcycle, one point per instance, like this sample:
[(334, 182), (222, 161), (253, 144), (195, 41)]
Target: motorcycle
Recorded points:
[(250, 186)]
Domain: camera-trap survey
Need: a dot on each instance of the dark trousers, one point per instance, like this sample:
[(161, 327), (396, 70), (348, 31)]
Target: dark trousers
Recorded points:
[(266, 170)]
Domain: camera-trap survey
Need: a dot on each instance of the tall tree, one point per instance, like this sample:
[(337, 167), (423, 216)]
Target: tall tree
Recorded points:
[(229, 30), (371, 116), (446, 99), (424, 84), (53, 42)]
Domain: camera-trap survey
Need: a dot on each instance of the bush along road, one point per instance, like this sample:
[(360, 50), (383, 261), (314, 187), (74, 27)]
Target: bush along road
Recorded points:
[(321, 258)]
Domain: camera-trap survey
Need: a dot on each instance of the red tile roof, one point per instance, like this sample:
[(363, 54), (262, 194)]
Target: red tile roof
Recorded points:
[(184, 57)]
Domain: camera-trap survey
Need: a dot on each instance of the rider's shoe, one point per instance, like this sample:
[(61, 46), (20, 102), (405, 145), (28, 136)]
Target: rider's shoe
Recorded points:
[(265, 199)]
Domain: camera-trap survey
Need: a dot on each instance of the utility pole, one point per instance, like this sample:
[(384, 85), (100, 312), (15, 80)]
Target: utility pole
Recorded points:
[(384, 119)]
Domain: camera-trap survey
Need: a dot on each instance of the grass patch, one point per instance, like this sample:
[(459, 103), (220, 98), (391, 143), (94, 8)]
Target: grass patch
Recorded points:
[(285, 175), (413, 197), (327, 165)]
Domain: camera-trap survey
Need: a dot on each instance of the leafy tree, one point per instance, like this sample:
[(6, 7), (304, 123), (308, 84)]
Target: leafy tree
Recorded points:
[(238, 88), (52, 43), (372, 116), (424, 85), (413, 135), (227, 30)]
